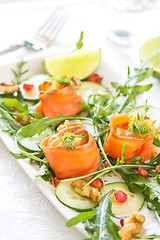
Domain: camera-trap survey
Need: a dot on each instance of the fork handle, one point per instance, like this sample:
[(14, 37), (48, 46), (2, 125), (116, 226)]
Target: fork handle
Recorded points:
[(11, 48)]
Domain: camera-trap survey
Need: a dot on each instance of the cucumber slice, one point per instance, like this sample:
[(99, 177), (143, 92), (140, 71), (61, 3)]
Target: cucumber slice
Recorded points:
[(33, 143), (87, 88), (134, 201), (66, 195), (35, 80), (153, 113)]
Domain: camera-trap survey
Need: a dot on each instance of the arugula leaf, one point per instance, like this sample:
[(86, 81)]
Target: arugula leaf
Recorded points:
[(156, 141), (36, 115), (45, 173), (102, 221), (32, 156), (131, 88), (140, 89), (9, 119), (14, 103), (120, 87), (147, 237), (149, 186), (38, 126), (80, 43), (136, 160), (8, 122), (100, 107), (17, 155), (81, 217), (123, 152), (134, 91), (98, 221)]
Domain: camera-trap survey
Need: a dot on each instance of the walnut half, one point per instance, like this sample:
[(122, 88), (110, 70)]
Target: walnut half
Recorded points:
[(88, 191), (132, 226), (158, 169), (8, 88)]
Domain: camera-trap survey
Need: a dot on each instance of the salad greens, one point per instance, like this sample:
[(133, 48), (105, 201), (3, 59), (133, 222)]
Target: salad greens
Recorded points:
[(96, 227), (19, 73), (98, 110), (98, 220), (100, 107), (156, 141)]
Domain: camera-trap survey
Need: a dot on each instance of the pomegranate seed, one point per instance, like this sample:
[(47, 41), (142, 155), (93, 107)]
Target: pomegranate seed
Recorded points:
[(97, 184), (142, 172), (120, 196), (15, 111), (122, 222), (56, 181), (146, 118), (106, 165), (94, 78), (28, 87)]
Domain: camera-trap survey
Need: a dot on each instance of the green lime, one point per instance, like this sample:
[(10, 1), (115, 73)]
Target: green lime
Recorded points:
[(80, 63), (151, 50)]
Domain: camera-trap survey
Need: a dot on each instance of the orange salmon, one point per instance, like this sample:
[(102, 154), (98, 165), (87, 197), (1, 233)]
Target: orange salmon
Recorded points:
[(134, 145), (83, 159), (58, 99)]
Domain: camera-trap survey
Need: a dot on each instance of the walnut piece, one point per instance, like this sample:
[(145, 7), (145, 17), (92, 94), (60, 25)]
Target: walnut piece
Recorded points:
[(68, 124), (132, 226), (24, 120), (8, 88), (76, 82), (88, 191), (158, 169)]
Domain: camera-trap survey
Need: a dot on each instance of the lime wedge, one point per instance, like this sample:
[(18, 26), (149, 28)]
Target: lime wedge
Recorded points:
[(151, 50), (80, 63)]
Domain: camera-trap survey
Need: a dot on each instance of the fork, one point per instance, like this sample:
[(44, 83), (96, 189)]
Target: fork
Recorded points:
[(45, 35)]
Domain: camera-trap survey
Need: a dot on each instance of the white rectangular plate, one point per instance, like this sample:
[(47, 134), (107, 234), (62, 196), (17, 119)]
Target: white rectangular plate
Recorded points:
[(35, 66)]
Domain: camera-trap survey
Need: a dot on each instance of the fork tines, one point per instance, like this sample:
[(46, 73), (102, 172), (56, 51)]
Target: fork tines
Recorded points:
[(49, 30)]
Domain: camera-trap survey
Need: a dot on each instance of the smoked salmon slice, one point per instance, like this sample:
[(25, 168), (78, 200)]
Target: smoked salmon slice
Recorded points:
[(137, 145), (58, 98), (80, 160)]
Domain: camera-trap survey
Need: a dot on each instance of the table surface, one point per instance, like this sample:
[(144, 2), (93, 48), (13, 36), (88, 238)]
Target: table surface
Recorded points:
[(24, 211)]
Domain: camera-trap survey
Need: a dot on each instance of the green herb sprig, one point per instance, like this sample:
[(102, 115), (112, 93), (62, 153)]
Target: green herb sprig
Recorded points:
[(68, 140), (18, 75), (140, 127)]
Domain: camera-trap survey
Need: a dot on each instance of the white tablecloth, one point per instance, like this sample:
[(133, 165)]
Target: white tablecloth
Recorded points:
[(24, 211)]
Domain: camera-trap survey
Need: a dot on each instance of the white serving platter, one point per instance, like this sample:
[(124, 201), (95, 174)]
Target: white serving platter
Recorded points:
[(35, 65)]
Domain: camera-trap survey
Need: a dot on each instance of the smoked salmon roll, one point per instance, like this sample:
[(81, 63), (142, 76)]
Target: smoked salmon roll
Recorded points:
[(72, 152), (137, 134), (59, 95)]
